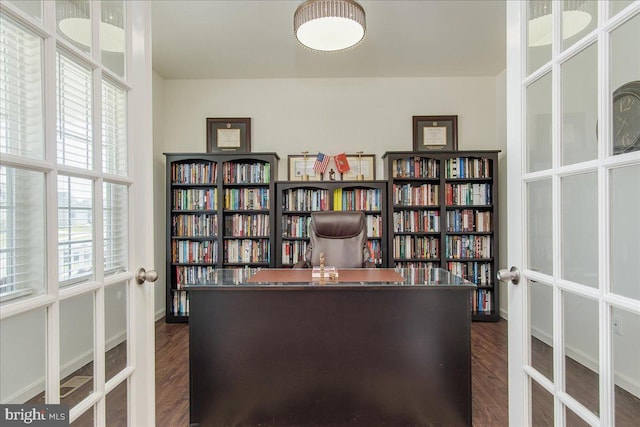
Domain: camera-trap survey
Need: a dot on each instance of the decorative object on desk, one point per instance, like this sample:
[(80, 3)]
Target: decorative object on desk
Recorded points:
[(329, 25), (435, 133), (626, 118), (300, 168), (342, 164), (366, 166), (332, 175), (321, 163), (229, 135)]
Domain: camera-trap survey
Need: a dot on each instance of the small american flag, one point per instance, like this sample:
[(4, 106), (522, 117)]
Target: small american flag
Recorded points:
[(321, 163)]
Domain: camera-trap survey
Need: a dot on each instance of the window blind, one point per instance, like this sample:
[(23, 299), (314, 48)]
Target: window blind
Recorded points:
[(75, 229), (21, 91), (22, 231), (114, 129), (115, 227), (74, 121)]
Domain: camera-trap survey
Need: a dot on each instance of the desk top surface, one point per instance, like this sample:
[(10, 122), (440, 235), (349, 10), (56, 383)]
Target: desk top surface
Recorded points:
[(346, 277)]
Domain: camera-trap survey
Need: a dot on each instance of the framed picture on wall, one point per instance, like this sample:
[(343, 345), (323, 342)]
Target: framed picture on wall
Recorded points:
[(229, 135), (435, 133)]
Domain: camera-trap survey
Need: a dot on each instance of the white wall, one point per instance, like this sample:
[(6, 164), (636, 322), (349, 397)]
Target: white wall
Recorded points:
[(159, 195), (501, 141)]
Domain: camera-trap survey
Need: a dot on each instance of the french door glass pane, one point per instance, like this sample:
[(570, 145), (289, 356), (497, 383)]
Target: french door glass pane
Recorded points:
[(579, 17), (21, 91), (579, 243), (75, 229), (618, 5), (624, 211), (541, 406), (76, 348), (541, 327), (573, 420), (539, 34), (538, 124), (116, 230), (87, 419), (626, 368), (116, 333), (114, 129), (22, 233), (581, 350), (30, 7), (116, 406), (74, 121), (73, 18), (539, 226), (22, 360), (580, 107), (625, 68), (112, 39)]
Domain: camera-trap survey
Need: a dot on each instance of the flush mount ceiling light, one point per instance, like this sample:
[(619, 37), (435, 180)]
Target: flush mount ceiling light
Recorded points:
[(74, 21), (575, 18), (329, 25)]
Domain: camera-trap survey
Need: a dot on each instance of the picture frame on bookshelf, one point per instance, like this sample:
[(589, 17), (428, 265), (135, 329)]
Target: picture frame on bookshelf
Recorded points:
[(435, 133), (364, 165), (299, 164), (229, 135)]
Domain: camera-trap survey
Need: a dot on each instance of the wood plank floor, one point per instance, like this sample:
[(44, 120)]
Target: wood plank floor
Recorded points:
[(489, 374)]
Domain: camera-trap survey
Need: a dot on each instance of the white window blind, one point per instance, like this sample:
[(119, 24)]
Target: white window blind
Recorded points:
[(116, 214), (75, 229), (22, 232), (114, 129), (74, 120), (21, 96)]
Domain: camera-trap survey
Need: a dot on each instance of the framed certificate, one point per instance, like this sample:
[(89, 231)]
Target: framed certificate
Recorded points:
[(232, 135), (435, 133)]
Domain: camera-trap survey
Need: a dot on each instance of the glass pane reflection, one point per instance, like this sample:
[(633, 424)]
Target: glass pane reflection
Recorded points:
[(116, 406), (112, 35), (538, 124), (626, 354), (539, 226), (541, 406), (541, 327), (115, 301), (581, 350)]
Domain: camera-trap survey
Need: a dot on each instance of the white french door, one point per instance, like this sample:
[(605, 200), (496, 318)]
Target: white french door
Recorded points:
[(573, 203), (76, 328)]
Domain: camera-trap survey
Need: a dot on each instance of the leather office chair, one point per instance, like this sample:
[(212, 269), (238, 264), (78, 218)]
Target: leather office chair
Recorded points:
[(341, 236)]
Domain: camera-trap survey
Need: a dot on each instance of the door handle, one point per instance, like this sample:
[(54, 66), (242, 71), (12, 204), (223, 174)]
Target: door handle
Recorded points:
[(512, 275), (143, 275)]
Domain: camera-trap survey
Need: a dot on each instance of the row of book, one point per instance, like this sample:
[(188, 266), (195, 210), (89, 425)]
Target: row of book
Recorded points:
[(295, 225), (422, 221), (476, 272), (246, 198), (247, 225), (415, 167), (467, 194), (357, 199), (198, 252), (411, 195), (195, 199), (468, 246), (416, 264), (189, 225), (180, 303), (468, 220), (468, 167), (293, 251), (375, 249), (194, 275), (481, 301), (302, 199), (420, 247), (246, 173), (193, 173), (247, 251)]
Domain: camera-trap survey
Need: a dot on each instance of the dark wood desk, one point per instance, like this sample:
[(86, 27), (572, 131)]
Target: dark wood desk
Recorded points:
[(301, 354)]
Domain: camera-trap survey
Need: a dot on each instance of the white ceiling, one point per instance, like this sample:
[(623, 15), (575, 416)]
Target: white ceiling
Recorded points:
[(215, 39)]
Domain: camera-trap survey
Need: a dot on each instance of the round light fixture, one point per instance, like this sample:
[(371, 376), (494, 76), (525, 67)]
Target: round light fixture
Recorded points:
[(574, 20), (329, 25), (75, 23)]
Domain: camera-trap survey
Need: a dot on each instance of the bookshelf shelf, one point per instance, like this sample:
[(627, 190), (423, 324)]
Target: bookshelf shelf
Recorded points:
[(216, 202), (453, 195)]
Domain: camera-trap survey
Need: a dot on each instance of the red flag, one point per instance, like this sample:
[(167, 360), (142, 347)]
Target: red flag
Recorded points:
[(342, 164), (321, 163)]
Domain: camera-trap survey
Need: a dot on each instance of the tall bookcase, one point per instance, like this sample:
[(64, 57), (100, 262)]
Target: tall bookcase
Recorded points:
[(220, 214), (297, 199), (443, 212)]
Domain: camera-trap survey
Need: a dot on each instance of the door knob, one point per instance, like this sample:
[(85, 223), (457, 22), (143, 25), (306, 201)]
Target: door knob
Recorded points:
[(512, 275), (143, 275)]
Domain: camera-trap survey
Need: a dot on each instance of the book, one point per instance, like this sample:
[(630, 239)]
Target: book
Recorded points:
[(316, 272)]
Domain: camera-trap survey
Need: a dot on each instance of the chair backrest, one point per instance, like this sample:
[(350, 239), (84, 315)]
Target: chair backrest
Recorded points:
[(341, 236)]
